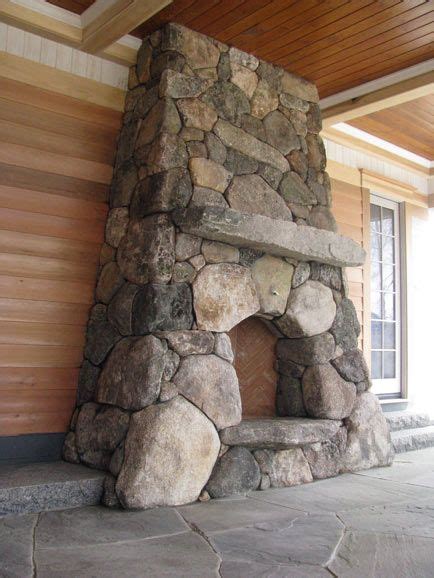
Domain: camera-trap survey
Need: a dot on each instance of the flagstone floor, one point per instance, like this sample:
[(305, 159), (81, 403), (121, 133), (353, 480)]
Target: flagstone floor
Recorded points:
[(378, 523)]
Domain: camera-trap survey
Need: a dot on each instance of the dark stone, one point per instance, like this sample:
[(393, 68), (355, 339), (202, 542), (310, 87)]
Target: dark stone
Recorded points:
[(101, 335), (87, 382), (322, 218), (270, 174), (314, 123), (109, 282), (224, 67), (167, 60), (240, 164), (254, 126), (162, 308), (216, 149), (168, 151), (197, 149), (298, 121), (352, 366), (127, 142), (325, 459), (327, 275), (299, 163), (109, 497), (316, 152), (145, 101), (143, 67), (326, 395), (289, 368), (228, 100), (177, 85), (294, 190), (131, 377), (119, 312), (301, 274), (280, 132), (162, 192), (237, 472), (124, 182), (271, 74), (307, 350), (249, 256), (346, 326), (69, 451), (289, 397), (163, 117)]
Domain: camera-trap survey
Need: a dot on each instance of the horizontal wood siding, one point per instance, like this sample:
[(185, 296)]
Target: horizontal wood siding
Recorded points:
[(56, 158)]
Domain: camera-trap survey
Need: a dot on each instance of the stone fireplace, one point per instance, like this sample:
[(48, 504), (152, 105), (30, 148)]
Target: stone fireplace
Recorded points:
[(220, 216)]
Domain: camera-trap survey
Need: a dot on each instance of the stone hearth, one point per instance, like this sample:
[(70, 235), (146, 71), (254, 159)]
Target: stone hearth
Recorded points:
[(219, 211)]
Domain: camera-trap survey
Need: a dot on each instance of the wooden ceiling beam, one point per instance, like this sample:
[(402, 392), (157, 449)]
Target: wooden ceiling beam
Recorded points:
[(112, 20), (386, 97)]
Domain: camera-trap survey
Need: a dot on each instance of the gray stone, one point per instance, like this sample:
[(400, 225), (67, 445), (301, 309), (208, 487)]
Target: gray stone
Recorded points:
[(289, 368), (311, 311), (161, 192), (279, 433), (162, 308), (144, 56), (109, 282), (326, 395), (346, 326), (207, 173), (203, 197), (271, 74), (187, 246), (299, 212), (298, 121), (119, 312), (167, 60), (280, 238), (189, 342), (216, 149), (176, 85), (200, 51), (197, 149), (16, 546), (87, 382), (289, 397), (117, 460), (284, 468), (236, 472), (368, 444), (299, 163), (127, 142), (198, 262), (240, 164), (352, 366), (316, 152), (132, 374), (215, 252), (272, 278), (228, 100), (183, 273), (212, 385), (308, 350), (326, 274), (166, 152), (101, 335), (244, 78), (170, 451), (271, 175), (264, 100), (247, 144), (280, 133), (171, 363), (249, 256), (168, 391), (100, 429), (163, 117), (224, 67), (189, 134), (322, 218), (197, 114), (301, 274), (299, 87), (314, 123), (224, 294), (69, 451), (243, 58), (253, 126), (294, 190), (251, 194), (325, 459), (223, 346), (116, 225), (147, 253), (293, 102), (109, 497)]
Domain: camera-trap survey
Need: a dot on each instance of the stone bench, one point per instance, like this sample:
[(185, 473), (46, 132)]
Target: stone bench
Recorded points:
[(279, 433)]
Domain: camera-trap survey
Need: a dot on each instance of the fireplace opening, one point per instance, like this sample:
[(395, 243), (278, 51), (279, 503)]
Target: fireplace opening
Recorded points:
[(254, 347)]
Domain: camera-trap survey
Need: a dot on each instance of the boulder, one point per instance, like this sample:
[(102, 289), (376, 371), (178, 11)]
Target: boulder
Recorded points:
[(326, 395), (284, 468), (224, 294), (368, 444), (100, 428), (176, 85), (109, 282), (131, 377), (147, 252), (311, 311), (87, 382), (189, 342), (161, 193), (346, 326), (223, 346), (325, 459), (119, 312), (170, 451), (215, 252), (251, 194), (272, 278), (187, 246), (200, 51), (207, 173), (352, 366), (289, 397), (162, 308), (228, 100), (212, 385), (101, 335), (197, 114), (307, 350), (264, 100), (280, 132), (236, 472), (116, 225)]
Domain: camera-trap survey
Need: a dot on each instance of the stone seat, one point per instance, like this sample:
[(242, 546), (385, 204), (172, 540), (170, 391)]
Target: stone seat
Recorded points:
[(279, 433)]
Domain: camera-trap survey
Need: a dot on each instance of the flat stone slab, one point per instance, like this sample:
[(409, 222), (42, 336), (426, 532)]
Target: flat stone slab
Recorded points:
[(275, 237), (279, 433)]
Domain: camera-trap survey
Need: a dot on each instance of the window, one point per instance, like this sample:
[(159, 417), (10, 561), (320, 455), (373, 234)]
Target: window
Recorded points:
[(385, 298)]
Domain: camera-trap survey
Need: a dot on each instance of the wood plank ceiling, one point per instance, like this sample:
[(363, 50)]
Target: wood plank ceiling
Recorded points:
[(338, 44), (409, 125)]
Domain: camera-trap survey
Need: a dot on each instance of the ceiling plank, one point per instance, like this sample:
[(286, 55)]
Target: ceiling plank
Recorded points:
[(393, 95), (113, 20)]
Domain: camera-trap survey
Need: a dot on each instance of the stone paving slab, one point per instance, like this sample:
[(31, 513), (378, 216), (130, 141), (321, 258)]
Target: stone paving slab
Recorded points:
[(16, 546)]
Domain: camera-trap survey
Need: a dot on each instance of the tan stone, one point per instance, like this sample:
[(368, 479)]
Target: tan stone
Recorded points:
[(244, 78), (199, 50), (272, 277), (224, 295), (299, 87), (264, 100), (215, 252), (197, 114), (207, 173), (285, 468), (326, 395)]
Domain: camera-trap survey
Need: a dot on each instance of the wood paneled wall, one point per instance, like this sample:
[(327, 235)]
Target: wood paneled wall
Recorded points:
[(56, 157), (351, 210)]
